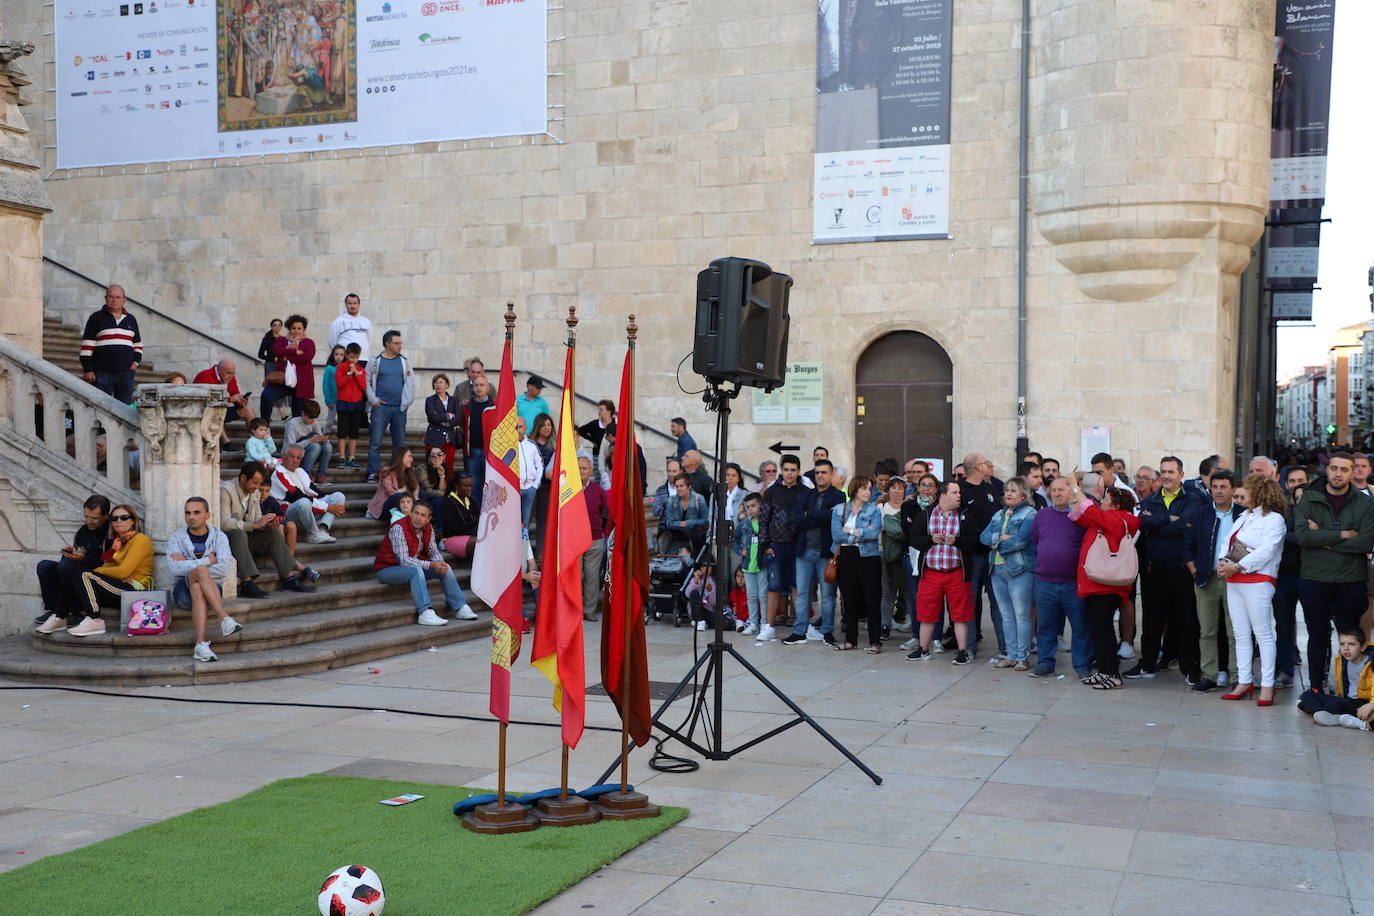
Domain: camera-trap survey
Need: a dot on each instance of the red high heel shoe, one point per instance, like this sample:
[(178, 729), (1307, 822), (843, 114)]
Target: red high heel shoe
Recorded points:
[(1260, 702), (1240, 692)]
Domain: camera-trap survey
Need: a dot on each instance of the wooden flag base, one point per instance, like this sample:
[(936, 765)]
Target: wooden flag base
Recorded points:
[(569, 812), (625, 806), (494, 818)]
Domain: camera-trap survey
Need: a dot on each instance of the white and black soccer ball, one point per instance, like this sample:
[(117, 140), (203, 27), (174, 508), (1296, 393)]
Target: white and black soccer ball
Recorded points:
[(354, 890)]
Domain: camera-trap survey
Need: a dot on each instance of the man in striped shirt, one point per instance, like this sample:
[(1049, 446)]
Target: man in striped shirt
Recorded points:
[(111, 348)]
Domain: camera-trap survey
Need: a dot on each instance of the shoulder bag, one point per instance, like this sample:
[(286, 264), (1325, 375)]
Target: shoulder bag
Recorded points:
[(1116, 568)]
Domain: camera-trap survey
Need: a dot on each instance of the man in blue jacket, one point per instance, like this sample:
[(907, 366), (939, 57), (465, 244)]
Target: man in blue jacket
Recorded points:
[(1209, 539), (813, 553), (1166, 586)]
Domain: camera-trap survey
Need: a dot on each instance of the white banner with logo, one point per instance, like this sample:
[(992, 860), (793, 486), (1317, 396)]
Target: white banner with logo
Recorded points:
[(197, 79)]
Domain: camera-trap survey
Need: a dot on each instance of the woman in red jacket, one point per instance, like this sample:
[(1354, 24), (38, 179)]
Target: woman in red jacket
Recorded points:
[(1113, 520), (295, 355)]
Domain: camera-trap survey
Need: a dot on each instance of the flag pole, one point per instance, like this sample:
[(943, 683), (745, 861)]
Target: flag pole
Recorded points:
[(501, 816), (627, 805), (632, 335), (566, 811)]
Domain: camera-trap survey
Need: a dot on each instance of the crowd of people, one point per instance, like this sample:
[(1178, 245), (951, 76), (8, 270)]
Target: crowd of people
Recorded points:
[(1203, 573)]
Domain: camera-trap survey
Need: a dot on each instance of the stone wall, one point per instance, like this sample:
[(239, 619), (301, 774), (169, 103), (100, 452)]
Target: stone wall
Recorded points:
[(689, 136)]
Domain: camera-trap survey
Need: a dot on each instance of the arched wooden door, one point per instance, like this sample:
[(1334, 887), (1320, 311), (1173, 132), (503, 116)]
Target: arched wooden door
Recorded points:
[(904, 386)]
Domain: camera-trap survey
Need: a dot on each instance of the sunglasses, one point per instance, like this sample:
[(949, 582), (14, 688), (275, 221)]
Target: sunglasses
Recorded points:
[(436, 454), (121, 518)]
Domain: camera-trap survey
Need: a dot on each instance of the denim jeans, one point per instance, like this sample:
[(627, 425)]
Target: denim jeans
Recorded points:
[(1286, 622), (384, 415), (416, 578), (756, 591), (118, 385), (1325, 603), (476, 465), (1056, 602), (981, 582), (316, 460), (1014, 595), (527, 505), (181, 592), (307, 522), (811, 568)]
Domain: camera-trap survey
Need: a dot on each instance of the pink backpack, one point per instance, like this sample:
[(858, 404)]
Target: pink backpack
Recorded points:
[(148, 617), (1104, 566)]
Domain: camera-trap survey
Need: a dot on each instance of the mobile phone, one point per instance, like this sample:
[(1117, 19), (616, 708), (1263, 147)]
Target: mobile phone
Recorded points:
[(402, 799)]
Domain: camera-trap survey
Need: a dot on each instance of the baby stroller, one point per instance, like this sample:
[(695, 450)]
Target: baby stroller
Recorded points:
[(668, 574)]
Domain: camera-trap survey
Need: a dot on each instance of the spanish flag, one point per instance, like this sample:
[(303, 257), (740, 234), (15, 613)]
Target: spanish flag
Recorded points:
[(500, 548), (558, 627)]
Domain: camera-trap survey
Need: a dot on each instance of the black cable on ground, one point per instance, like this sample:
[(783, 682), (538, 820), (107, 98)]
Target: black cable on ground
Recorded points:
[(403, 712)]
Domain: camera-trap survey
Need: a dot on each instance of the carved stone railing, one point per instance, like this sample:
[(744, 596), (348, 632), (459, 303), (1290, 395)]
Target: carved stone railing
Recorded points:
[(94, 455)]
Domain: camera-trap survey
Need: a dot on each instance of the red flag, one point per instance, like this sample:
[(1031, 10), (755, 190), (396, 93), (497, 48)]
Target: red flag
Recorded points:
[(500, 550), (558, 628), (629, 588)]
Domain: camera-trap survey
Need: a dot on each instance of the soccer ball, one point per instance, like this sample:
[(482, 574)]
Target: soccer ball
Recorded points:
[(354, 890)]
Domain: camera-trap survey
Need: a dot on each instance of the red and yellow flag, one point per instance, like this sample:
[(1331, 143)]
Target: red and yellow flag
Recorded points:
[(500, 550), (557, 649), (622, 623)]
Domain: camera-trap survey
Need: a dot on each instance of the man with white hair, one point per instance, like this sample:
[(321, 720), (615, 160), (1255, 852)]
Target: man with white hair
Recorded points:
[(225, 373), (1261, 464), (312, 512)]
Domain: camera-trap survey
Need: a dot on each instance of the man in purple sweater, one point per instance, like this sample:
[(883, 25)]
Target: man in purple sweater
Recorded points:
[(597, 506), (1057, 541)]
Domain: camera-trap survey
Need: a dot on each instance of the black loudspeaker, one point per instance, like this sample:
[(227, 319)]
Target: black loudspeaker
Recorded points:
[(742, 323)]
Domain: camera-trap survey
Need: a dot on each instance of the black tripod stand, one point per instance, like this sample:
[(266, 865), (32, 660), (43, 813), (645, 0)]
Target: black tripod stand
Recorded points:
[(712, 658)]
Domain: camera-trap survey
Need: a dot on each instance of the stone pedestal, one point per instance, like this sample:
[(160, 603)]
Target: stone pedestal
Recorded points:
[(181, 460)]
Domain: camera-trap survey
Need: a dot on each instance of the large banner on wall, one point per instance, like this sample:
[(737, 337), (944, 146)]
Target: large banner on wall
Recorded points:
[(882, 120), (197, 79), (1304, 32)]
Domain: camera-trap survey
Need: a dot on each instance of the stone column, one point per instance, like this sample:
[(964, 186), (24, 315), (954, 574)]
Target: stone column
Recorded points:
[(23, 202), (182, 425), (1150, 154)]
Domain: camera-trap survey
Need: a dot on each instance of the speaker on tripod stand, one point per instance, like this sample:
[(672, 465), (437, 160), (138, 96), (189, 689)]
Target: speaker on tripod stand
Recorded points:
[(742, 326)]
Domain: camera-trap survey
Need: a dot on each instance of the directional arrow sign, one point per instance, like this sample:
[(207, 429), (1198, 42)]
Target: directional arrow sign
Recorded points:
[(780, 448)]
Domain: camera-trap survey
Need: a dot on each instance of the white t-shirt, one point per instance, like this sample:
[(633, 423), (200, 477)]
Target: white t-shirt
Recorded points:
[(347, 329)]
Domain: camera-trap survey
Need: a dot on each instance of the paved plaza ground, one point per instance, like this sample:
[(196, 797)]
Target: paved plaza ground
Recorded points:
[(1001, 793)]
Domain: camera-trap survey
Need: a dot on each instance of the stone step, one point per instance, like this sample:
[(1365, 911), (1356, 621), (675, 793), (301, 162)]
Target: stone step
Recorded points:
[(265, 635), (19, 661)]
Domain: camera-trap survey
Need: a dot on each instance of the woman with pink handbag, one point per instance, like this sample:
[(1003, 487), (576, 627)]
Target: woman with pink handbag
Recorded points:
[(1107, 566)]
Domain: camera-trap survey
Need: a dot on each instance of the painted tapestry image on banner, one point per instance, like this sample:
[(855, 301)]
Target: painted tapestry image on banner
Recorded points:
[(286, 63), (882, 120)]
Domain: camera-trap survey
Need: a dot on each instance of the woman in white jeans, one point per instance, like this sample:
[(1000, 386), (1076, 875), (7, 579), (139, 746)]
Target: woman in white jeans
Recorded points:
[(1257, 541)]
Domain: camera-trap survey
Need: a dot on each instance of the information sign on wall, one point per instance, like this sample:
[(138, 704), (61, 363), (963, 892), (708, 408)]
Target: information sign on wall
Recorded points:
[(798, 401)]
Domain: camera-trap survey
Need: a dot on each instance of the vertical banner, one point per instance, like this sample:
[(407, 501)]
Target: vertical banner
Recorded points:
[(1304, 31), (882, 120)]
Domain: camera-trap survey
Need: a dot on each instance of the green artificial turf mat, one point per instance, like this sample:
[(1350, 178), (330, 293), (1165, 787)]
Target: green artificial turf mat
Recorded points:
[(269, 852)]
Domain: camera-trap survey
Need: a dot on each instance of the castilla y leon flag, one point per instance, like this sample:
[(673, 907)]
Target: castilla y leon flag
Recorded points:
[(500, 551), (557, 651), (629, 588)]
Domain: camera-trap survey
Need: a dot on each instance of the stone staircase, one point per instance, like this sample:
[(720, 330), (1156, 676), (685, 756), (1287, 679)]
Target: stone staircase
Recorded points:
[(350, 618)]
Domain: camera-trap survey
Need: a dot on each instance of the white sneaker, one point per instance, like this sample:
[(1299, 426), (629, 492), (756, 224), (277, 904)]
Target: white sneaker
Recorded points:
[(767, 633), (430, 619), (814, 634), (52, 624), (91, 626), (1126, 650), (910, 644), (320, 537), (750, 629), (903, 627), (1350, 721), (203, 653), (1222, 679), (466, 613), (937, 646), (229, 626)]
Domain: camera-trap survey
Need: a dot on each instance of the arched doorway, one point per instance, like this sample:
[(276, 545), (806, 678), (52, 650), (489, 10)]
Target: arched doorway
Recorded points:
[(904, 384)]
